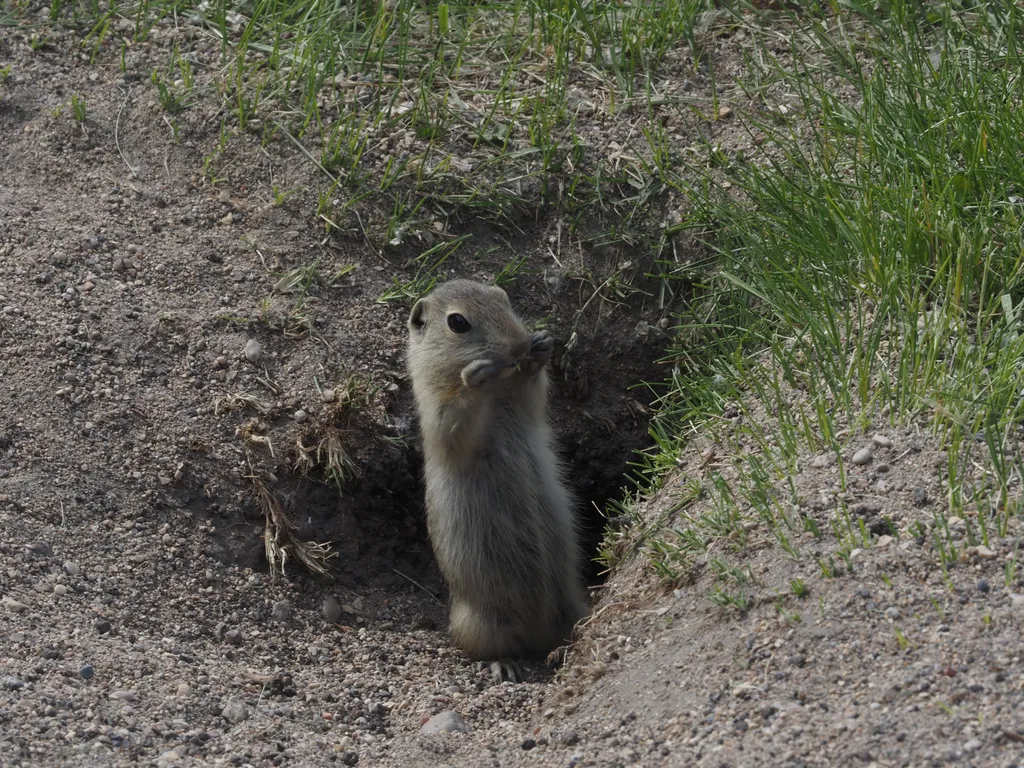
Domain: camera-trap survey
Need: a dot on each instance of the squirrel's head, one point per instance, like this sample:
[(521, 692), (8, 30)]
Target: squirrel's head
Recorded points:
[(462, 321)]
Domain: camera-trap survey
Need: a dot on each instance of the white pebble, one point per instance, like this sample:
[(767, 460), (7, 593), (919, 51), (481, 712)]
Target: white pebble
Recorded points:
[(446, 722), (863, 456), (253, 350), (881, 441)]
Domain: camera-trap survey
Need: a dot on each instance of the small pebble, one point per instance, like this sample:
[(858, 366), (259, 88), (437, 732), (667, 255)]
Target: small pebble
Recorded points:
[(892, 612), (331, 610), (72, 569), (282, 611), (60, 590), (233, 637), (819, 462), (528, 743), (445, 722), (235, 711), (972, 745), (920, 496), (86, 672), (42, 548), (123, 695), (12, 683), (328, 395), (983, 586), (253, 350), (300, 416), (863, 456), (882, 441), (103, 627), (12, 605)]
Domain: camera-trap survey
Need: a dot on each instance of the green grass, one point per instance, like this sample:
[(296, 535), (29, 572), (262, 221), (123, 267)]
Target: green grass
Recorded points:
[(416, 113), (78, 108), (869, 260)]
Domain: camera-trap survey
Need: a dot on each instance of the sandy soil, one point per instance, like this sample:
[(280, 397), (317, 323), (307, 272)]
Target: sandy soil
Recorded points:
[(150, 370)]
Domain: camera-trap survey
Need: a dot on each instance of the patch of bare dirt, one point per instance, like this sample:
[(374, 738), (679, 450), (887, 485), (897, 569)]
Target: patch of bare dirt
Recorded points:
[(156, 368), (150, 371)]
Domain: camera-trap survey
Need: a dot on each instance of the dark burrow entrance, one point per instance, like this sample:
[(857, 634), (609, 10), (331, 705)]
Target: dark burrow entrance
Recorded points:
[(599, 409), (378, 527)]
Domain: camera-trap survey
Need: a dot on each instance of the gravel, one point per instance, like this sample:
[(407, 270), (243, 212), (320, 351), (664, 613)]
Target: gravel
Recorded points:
[(282, 611), (233, 637), (235, 711), (331, 610), (12, 683)]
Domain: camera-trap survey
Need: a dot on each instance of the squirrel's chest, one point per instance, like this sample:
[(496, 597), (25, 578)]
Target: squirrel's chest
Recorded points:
[(497, 457)]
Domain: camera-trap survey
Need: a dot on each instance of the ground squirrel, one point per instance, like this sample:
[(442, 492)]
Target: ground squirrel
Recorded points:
[(500, 518)]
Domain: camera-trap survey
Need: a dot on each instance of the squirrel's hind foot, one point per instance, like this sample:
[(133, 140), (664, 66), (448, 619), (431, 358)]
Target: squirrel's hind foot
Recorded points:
[(503, 670)]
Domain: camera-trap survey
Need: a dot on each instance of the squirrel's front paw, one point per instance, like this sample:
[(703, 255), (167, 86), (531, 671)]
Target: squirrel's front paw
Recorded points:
[(542, 344), (480, 372)]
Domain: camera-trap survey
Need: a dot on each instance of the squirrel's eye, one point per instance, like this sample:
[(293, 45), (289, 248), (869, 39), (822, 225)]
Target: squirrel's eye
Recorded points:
[(458, 323)]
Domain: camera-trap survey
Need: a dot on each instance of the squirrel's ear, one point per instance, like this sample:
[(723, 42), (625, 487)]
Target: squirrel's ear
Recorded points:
[(418, 316)]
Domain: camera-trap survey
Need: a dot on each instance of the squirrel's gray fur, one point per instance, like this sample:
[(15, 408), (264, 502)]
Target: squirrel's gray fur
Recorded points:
[(500, 517)]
